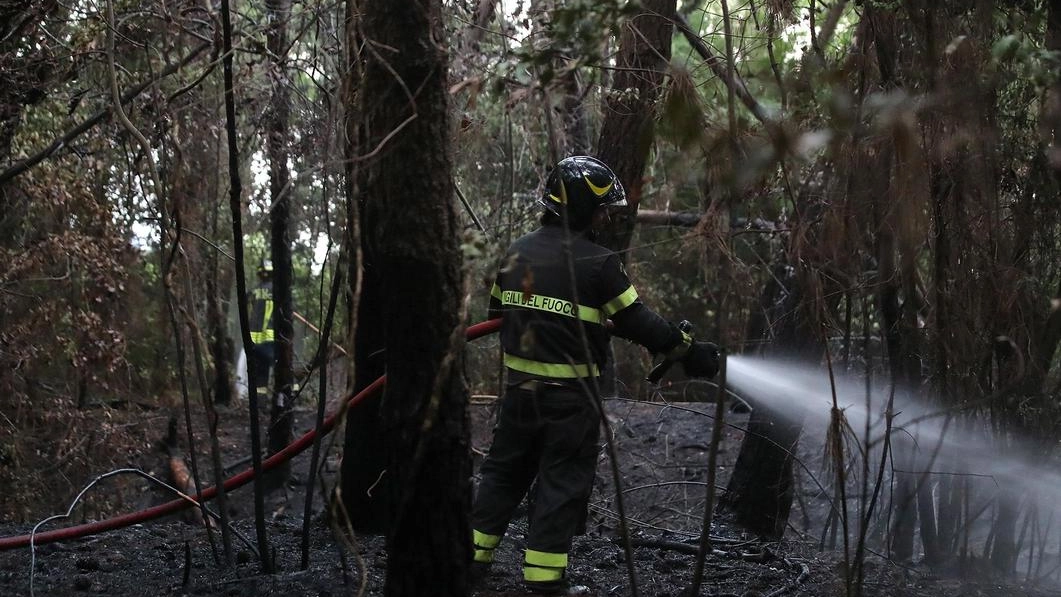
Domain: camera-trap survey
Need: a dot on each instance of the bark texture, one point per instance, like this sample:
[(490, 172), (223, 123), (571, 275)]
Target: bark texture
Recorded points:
[(760, 491), (409, 196), (629, 120), (276, 143)]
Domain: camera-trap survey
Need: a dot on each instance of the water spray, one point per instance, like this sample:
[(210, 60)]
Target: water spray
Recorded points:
[(801, 392)]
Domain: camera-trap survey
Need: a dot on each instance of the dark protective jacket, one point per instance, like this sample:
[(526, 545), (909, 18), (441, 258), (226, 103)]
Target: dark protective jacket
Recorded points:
[(262, 313), (556, 292), (552, 282)]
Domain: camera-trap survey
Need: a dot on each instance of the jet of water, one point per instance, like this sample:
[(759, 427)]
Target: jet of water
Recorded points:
[(942, 440)]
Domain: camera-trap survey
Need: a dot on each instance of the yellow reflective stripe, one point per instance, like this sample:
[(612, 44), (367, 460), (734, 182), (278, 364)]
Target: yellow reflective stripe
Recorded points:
[(543, 566), (545, 558), (267, 319), (598, 191), (485, 556), (264, 336), (485, 541), (620, 302), (562, 370), (535, 574), (555, 198), (495, 291), (551, 305)]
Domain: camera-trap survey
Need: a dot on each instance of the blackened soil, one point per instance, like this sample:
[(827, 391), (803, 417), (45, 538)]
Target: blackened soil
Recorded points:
[(662, 456)]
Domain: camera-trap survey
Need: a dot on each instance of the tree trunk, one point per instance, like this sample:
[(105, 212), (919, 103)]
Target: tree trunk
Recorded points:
[(277, 122), (1004, 530), (409, 192), (905, 371), (221, 345), (761, 489), (365, 481), (1051, 121), (1050, 335), (628, 130)]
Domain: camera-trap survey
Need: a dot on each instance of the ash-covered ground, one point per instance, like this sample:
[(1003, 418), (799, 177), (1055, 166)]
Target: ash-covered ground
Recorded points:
[(662, 455)]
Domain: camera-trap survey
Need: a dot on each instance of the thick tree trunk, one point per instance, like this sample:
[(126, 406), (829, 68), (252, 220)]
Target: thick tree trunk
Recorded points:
[(900, 340), (410, 195), (760, 490), (628, 130), (1050, 335), (276, 142), (1004, 530), (365, 482), (1051, 120)]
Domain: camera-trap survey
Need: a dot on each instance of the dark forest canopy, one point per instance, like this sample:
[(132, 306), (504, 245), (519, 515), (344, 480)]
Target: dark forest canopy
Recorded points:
[(869, 185)]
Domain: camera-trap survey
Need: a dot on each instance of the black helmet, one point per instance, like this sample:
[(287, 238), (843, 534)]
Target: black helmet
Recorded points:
[(582, 184)]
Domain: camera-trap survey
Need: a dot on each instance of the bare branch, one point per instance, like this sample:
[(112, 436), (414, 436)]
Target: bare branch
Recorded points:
[(27, 163)]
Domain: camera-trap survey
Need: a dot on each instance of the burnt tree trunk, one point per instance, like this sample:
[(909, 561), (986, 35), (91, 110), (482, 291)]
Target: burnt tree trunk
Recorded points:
[(365, 481), (409, 194), (276, 142), (221, 345), (628, 130), (760, 490)]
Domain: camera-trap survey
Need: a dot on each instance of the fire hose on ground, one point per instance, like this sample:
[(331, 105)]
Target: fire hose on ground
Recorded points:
[(236, 481)]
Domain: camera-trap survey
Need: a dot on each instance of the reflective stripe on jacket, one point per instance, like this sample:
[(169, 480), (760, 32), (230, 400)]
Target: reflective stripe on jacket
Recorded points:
[(543, 309), (262, 314)]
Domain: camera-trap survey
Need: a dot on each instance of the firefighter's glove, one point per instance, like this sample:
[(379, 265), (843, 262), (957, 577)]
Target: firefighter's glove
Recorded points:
[(701, 360)]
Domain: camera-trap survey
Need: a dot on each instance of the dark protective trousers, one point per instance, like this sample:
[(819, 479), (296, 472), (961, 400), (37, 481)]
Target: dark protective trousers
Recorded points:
[(544, 432), (260, 359)]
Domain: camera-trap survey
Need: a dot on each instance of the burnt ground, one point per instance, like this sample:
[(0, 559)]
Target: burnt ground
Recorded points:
[(662, 454)]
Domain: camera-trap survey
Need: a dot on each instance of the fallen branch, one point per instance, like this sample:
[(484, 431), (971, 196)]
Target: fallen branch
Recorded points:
[(678, 546), (689, 219), (653, 217), (804, 574), (315, 329), (718, 66)]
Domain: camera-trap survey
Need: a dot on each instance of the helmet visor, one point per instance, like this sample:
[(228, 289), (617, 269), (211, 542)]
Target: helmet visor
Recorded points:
[(616, 197)]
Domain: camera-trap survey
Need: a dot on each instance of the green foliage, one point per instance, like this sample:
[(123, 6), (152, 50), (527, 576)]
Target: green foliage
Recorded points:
[(1024, 59)]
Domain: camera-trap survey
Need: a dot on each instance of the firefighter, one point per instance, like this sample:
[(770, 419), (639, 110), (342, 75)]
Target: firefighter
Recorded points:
[(556, 292), (262, 353)]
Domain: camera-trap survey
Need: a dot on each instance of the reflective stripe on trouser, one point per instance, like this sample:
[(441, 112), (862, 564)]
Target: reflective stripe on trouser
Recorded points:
[(551, 433), (263, 336), (484, 546), (542, 566)]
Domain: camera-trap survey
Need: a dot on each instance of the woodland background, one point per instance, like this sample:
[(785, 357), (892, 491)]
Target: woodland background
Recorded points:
[(870, 184)]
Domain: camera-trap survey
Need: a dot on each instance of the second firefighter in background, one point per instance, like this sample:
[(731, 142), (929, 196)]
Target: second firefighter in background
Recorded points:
[(261, 355)]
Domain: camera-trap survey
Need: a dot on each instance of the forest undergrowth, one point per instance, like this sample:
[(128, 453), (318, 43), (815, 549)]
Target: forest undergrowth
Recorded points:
[(662, 452)]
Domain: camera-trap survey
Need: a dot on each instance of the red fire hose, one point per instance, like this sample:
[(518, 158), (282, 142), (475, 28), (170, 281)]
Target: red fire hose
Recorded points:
[(91, 528)]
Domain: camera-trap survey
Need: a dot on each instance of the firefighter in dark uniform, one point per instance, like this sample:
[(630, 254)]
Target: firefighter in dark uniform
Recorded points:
[(262, 353), (555, 293)]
